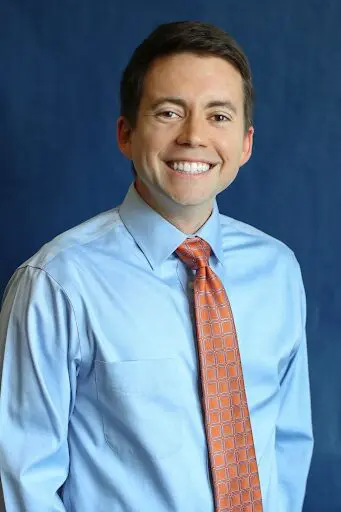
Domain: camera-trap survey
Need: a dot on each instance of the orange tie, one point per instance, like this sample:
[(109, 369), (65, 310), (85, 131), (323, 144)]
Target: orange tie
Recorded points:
[(231, 450)]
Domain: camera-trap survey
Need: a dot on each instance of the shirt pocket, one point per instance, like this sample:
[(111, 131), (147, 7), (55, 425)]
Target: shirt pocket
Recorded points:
[(141, 408)]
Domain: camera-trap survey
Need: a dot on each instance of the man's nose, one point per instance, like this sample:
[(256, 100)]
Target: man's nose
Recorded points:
[(193, 132)]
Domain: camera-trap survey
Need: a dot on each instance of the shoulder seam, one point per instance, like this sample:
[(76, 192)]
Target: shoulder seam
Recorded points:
[(66, 295)]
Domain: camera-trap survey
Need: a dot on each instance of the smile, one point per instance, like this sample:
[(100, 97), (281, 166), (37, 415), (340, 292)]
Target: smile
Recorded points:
[(190, 167)]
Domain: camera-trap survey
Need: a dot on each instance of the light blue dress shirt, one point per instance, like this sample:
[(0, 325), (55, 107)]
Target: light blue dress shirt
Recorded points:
[(100, 398)]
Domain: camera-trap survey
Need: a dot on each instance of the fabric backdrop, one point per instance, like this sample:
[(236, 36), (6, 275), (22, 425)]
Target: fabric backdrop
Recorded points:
[(59, 164)]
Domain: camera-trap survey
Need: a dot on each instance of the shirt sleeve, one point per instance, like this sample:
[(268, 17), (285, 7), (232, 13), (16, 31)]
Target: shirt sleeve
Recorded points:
[(39, 356), (294, 437)]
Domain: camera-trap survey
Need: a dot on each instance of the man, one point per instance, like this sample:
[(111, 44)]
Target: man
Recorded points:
[(154, 357)]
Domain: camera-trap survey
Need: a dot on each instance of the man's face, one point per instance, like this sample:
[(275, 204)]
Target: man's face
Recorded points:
[(189, 140)]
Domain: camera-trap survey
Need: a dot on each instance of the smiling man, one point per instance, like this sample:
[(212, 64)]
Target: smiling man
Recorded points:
[(190, 136), (154, 357)]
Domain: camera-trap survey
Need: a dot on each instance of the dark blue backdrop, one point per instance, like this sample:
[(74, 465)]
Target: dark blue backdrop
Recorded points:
[(59, 77)]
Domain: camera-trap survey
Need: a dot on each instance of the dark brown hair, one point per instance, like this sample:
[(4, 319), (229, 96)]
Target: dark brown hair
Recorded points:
[(180, 37)]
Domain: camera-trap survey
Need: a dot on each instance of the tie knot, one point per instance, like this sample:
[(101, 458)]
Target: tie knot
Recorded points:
[(194, 252)]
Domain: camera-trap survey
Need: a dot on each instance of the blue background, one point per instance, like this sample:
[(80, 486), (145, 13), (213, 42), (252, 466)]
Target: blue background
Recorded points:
[(59, 164)]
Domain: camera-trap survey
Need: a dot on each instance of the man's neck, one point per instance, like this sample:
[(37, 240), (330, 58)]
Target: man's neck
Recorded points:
[(189, 225), (188, 219)]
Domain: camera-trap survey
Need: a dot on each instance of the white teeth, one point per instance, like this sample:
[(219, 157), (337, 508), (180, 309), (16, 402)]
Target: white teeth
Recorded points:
[(190, 167)]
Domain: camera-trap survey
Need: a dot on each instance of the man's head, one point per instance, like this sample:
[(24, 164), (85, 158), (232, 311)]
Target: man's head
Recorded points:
[(179, 37), (186, 96)]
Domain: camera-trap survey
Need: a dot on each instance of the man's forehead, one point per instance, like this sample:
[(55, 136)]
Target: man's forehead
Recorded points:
[(173, 75), (201, 63)]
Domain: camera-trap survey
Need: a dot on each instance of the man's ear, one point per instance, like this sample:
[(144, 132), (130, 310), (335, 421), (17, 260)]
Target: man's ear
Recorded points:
[(124, 132), (247, 145)]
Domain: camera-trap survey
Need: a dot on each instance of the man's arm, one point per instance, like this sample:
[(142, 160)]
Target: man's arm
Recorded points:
[(38, 363), (294, 438)]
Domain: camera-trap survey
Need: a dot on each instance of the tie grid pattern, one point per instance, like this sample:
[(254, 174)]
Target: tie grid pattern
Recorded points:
[(233, 462)]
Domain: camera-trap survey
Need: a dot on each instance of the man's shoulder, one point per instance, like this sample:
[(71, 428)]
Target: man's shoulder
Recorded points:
[(238, 234), (77, 241)]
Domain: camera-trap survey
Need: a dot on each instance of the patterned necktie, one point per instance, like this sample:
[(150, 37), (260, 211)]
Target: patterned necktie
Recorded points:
[(231, 450)]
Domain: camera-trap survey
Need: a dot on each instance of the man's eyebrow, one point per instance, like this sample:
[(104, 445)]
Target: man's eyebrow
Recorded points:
[(181, 103), (168, 99), (222, 103)]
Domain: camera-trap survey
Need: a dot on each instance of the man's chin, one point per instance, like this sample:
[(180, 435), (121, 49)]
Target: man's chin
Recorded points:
[(183, 201)]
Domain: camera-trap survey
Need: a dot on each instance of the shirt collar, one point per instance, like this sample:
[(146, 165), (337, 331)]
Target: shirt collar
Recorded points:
[(156, 237)]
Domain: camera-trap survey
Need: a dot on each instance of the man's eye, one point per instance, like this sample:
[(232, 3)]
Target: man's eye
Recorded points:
[(168, 114), (221, 118)]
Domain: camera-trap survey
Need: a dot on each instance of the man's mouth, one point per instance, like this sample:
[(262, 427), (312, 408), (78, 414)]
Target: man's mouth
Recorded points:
[(186, 167)]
